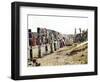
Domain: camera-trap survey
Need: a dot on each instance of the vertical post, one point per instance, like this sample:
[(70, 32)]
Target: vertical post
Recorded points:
[(46, 41), (39, 42), (55, 45), (30, 43), (51, 47), (51, 41)]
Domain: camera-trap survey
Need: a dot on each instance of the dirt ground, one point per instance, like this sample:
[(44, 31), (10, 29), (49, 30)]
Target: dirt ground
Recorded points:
[(76, 54)]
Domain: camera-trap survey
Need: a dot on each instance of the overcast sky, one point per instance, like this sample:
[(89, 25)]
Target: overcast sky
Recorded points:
[(62, 24)]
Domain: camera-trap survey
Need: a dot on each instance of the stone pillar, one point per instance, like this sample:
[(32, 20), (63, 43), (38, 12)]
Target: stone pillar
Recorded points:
[(39, 42), (30, 43)]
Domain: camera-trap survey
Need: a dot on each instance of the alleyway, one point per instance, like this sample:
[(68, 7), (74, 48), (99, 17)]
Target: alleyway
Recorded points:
[(76, 54)]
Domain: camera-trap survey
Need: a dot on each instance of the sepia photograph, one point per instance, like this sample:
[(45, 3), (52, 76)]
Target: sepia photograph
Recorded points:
[(53, 40), (57, 40)]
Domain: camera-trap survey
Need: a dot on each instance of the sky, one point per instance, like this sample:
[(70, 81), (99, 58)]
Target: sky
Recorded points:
[(62, 24)]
